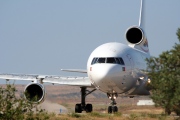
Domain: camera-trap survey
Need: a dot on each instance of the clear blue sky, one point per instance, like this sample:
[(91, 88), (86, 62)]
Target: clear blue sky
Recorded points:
[(43, 36)]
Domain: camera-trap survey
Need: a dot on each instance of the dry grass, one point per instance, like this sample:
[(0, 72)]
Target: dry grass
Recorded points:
[(105, 116), (126, 113)]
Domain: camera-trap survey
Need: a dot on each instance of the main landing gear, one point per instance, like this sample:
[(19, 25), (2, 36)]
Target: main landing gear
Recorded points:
[(113, 108), (83, 106)]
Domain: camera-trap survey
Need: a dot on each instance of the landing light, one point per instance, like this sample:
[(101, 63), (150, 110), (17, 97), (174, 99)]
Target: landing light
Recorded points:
[(141, 78)]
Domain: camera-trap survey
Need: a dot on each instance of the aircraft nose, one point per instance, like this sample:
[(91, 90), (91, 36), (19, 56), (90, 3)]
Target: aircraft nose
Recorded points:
[(105, 72)]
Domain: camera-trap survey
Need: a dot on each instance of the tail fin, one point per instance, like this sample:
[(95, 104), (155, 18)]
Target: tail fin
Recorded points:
[(141, 16), (135, 35)]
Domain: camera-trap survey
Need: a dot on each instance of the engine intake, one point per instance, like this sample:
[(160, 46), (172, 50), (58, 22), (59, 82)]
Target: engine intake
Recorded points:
[(35, 92), (134, 35)]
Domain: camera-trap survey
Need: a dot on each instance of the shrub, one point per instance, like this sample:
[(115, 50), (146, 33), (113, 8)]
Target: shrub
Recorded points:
[(18, 108)]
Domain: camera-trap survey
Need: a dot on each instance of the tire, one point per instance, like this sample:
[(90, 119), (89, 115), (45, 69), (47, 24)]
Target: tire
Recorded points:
[(78, 108), (115, 109), (110, 109), (89, 108)]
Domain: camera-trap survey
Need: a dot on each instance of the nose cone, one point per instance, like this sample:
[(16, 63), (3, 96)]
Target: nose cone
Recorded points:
[(105, 73)]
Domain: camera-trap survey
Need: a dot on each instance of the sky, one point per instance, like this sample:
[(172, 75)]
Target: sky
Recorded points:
[(44, 36)]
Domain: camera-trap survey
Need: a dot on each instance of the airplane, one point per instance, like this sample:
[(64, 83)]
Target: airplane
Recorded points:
[(113, 68)]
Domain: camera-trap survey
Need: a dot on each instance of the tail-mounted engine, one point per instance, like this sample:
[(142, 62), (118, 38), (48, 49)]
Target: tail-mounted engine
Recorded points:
[(35, 92), (137, 39), (134, 35)]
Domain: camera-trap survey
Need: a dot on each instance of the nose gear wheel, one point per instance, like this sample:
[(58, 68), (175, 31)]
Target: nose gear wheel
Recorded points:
[(112, 108)]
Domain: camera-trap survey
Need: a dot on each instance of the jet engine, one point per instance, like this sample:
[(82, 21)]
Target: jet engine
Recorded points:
[(35, 92), (136, 38), (134, 35)]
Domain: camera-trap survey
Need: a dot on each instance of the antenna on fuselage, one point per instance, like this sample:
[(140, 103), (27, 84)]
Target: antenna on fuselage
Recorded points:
[(141, 17)]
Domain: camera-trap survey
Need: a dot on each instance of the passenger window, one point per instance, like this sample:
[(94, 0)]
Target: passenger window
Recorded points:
[(101, 60), (111, 60)]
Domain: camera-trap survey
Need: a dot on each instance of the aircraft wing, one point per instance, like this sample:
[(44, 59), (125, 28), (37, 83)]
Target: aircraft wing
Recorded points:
[(75, 70), (73, 81)]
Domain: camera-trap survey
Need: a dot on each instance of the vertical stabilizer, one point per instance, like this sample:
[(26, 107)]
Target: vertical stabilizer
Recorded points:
[(141, 15), (135, 35)]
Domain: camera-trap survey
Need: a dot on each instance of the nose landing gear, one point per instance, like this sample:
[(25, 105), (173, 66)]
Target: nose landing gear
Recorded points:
[(113, 108)]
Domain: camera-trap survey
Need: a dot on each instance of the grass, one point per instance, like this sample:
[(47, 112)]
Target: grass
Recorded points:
[(105, 116), (101, 116), (126, 112)]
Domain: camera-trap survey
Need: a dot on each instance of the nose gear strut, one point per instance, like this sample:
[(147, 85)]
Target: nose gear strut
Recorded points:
[(113, 108)]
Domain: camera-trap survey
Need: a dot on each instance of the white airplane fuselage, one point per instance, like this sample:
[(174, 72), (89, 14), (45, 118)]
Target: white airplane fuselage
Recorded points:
[(118, 78)]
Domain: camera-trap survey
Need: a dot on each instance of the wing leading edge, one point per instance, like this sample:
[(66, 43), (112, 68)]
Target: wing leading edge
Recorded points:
[(75, 70), (72, 81)]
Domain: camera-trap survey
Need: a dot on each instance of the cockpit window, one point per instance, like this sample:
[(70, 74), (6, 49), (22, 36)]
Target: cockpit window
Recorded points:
[(109, 60), (118, 61), (101, 60), (121, 61), (94, 61)]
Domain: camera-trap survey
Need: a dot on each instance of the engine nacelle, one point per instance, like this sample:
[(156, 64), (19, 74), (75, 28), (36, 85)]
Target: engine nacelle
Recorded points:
[(35, 92), (137, 39), (134, 35)]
